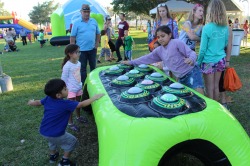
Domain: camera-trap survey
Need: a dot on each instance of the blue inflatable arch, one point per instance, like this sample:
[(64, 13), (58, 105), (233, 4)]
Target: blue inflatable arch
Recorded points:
[(72, 7)]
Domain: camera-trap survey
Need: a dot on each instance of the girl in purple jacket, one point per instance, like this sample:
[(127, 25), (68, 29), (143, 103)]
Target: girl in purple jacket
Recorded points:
[(177, 57)]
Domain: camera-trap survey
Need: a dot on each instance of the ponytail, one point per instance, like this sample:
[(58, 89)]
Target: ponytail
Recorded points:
[(66, 58), (70, 48)]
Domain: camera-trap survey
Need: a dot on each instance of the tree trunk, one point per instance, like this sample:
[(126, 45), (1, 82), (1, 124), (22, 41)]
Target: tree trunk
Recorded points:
[(136, 21)]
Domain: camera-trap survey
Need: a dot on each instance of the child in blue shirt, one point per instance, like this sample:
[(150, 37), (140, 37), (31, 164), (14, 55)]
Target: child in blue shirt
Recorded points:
[(55, 120)]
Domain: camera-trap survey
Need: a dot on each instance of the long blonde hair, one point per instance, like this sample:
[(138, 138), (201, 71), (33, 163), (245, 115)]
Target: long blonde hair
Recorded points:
[(216, 13), (191, 14)]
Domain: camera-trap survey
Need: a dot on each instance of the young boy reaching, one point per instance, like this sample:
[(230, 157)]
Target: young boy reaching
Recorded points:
[(55, 120)]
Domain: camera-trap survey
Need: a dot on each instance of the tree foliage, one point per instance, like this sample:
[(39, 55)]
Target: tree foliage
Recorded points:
[(41, 13), (142, 6), (136, 6), (3, 12)]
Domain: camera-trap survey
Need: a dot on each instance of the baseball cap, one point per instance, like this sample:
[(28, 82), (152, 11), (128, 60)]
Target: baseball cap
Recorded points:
[(85, 7), (108, 18)]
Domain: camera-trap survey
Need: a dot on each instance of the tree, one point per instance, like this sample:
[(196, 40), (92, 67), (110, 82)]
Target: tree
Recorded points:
[(41, 13), (142, 6), (3, 12), (136, 6)]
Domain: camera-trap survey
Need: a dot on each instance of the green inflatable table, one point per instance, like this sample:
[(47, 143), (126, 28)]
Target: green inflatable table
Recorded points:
[(213, 134)]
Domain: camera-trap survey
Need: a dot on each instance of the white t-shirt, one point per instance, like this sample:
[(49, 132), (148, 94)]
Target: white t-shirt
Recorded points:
[(71, 76)]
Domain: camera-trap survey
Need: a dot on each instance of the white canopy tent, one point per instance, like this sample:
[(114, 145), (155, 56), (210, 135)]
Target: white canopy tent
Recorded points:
[(176, 6)]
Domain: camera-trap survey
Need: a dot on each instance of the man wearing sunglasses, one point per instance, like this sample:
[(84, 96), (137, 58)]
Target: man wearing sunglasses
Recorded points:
[(86, 34)]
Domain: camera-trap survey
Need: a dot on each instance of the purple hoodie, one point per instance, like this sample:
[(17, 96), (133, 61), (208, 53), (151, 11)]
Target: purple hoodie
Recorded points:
[(172, 56)]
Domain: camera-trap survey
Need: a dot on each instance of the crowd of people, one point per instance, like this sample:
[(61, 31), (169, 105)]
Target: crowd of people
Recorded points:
[(11, 36), (173, 52)]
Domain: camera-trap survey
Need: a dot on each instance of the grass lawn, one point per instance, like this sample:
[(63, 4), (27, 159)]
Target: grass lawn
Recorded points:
[(32, 67)]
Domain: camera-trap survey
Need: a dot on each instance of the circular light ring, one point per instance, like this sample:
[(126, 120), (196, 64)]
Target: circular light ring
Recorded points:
[(123, 66), (113, 68), (120, 83), (151, 87), (168, 98), (134, 75), (142, 97), (128, 95), (135, 90), (178, 103), (179, 92), (144, 69), (122, 78), (114, 72), (134, 71), (176, 85), (147, 82), (163, 78), (156, 74), (143, 66)]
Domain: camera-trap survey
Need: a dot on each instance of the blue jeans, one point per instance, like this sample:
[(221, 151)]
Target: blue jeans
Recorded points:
[(84, 58), (128, 54), (193, 79), (118, 44)]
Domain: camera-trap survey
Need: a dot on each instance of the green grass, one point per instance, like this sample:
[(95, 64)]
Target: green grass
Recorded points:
[(32, 67)]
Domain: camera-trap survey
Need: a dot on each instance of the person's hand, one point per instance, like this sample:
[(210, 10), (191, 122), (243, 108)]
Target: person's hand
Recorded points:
[(30, 102), (98, 96), (191, 34), (125, 62), (96, 45), (122, 38), (188, 61)]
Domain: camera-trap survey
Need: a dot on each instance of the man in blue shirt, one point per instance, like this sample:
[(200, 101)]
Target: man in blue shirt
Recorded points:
[(86, 34)]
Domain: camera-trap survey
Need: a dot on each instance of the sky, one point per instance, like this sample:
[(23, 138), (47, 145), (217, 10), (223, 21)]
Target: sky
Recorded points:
[(23, 8)]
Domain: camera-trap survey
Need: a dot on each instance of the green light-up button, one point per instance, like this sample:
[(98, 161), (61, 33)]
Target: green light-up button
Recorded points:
[(147, 82), (114, 68), (133, 71), (122, 78), (156, 74), (169, 97), (143, 66), (135, 90), (176, 85)]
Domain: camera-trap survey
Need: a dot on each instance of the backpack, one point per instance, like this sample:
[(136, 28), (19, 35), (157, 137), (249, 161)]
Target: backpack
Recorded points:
[(232, 81)]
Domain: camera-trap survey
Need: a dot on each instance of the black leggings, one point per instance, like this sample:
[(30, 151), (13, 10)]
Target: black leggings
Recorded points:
[(111, 46), (221, 83)]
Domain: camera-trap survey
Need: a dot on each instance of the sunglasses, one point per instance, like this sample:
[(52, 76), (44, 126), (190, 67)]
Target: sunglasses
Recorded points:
[(162, 5), (85, 11)]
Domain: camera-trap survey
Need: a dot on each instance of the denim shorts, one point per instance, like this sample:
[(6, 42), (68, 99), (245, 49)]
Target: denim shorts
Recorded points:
[(193, 79), (128, 54), (105, 51), (209, 68), (67, 142)]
